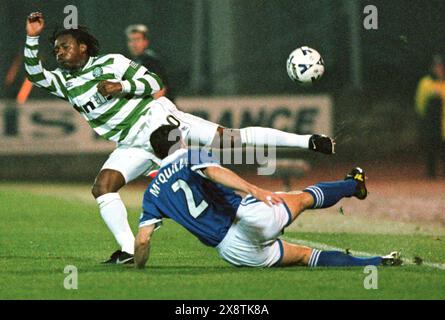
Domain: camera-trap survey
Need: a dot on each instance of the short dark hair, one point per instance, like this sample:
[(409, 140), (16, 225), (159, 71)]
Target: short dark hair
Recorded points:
[(82, 35), (164, 140)]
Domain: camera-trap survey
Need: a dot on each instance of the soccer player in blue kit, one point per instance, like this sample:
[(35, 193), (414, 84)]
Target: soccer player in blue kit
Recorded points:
[(193, 189)]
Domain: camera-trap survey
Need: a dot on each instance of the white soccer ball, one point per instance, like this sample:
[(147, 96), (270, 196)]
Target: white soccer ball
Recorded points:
[(305, 65)]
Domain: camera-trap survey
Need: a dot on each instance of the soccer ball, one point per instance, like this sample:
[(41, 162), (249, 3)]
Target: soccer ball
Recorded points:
[(305, 65)]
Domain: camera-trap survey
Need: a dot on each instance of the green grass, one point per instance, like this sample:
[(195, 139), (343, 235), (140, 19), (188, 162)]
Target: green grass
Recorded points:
[(41, 234)]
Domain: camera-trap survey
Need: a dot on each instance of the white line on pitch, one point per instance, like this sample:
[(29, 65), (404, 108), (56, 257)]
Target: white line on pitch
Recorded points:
[(324, 246)]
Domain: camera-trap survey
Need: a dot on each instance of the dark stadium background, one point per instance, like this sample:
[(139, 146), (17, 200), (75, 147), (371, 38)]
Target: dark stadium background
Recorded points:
[(374, 118)]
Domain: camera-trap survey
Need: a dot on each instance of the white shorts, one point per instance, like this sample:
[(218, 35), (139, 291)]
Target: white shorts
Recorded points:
[(194, 129), (134, 156), (131, 162), (252, 240)]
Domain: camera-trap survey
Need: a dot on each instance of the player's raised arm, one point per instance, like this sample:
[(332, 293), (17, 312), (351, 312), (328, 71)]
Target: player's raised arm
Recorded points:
[(39, 76), (35, 24), (231, 180), (142, 245), (136, 80)]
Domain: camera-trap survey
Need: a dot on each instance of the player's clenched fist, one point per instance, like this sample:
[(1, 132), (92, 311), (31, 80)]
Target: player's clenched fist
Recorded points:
[(34, 24), (107, 88)]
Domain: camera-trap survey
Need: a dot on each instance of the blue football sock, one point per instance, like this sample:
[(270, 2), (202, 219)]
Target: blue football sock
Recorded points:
[(339, 259), (326, 194)]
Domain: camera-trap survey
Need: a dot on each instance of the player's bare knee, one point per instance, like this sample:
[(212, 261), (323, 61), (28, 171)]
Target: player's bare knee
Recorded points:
[(297, 203), (300, 207), (99, 189), (142, 240), (295, 255), (107, 181)]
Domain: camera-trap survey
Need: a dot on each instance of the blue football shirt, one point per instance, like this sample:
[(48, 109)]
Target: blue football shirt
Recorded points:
[(182, 192)]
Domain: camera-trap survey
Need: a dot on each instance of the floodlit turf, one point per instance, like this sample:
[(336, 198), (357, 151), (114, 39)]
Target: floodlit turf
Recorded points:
[(41, 234)]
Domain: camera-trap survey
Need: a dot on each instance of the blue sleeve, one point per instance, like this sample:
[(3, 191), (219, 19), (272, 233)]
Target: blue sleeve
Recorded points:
[(201, 158), (150, 215)]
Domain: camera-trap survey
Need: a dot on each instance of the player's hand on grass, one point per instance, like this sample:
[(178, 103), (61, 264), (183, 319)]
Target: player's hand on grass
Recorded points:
[(268, 197), (108, 88), (34, 24)]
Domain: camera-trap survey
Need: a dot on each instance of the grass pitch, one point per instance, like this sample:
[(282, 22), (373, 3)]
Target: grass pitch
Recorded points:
[(44, 228)]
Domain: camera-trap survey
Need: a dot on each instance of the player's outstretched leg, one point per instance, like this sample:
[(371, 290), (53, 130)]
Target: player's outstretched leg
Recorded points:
[(327, 194), (304, 256), (323, 195), (253, 136), (260, 136)]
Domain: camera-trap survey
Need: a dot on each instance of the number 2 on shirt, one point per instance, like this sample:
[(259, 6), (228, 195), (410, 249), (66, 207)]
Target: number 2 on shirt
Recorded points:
[(194, 210)]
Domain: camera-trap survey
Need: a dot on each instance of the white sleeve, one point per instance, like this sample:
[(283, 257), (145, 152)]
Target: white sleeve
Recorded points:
[(135, 78), (39, 76)]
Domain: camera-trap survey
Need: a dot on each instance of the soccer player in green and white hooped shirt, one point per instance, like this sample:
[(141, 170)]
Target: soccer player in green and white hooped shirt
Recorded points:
[(114, 95)]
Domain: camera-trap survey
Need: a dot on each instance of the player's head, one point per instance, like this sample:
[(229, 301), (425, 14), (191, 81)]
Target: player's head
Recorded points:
[(73, 47), (165, 140), (137, 38), (437, 67)]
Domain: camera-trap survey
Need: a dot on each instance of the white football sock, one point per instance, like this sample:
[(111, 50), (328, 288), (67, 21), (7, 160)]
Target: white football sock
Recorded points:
[(266, 136), (113, 211)]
